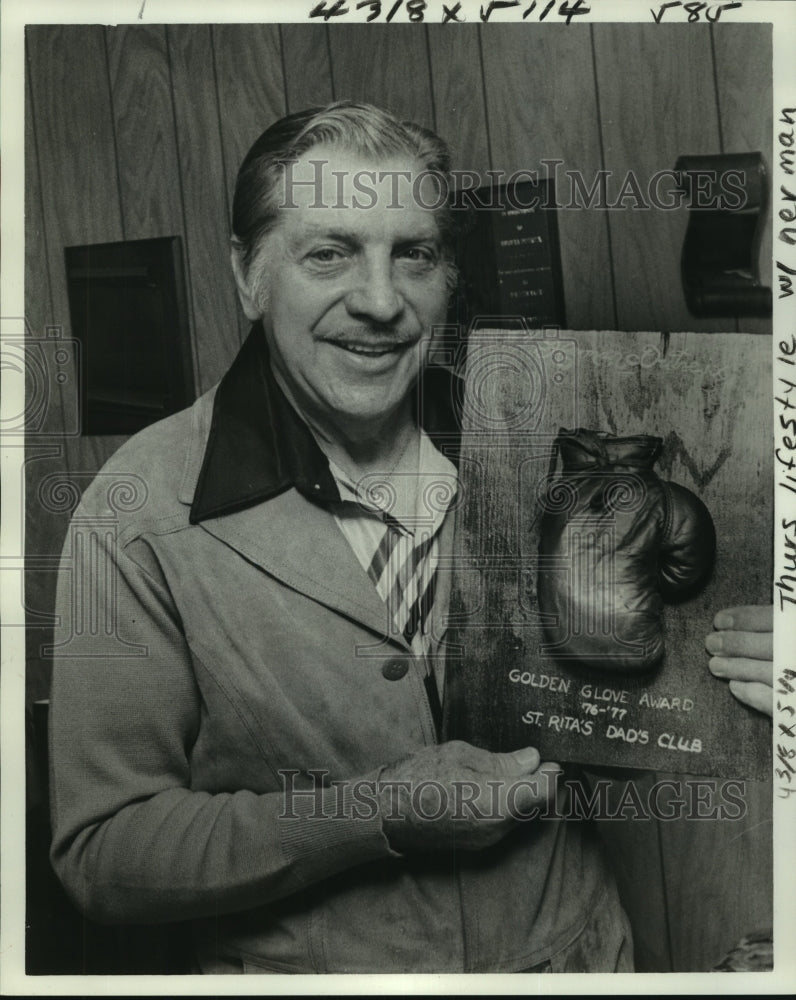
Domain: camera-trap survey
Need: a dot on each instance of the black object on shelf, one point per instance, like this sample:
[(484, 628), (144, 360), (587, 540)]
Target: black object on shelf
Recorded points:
[(727, 196), (129, 312)]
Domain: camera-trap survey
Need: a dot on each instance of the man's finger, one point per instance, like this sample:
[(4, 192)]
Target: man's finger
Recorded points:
[(759, 696), (742, 669), (748, 618), (750, 645), (524, 796), (520, 762)]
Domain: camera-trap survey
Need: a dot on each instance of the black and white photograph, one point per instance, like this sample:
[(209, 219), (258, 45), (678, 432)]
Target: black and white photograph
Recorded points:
[(399, 497)]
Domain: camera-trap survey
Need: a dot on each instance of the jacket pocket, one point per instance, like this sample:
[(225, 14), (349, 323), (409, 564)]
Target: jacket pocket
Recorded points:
[(604, 945), (262, 967)]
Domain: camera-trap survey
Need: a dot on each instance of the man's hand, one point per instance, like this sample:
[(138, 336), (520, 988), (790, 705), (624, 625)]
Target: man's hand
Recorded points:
[(456, 795), (743, 653)]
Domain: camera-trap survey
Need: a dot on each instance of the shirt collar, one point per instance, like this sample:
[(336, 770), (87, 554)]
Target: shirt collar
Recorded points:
[(259, 447), (433, 487)]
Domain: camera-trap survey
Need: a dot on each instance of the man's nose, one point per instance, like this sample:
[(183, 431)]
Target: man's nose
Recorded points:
[(374, 293)]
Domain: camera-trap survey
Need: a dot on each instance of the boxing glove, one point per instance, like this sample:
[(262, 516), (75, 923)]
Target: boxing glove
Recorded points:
[(615, 541)]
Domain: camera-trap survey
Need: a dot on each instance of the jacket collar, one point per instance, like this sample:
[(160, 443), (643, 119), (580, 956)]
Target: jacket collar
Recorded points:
[(259, 447)]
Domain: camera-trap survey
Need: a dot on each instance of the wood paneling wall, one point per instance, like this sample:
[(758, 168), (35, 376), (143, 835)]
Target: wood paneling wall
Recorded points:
[(137, 131)]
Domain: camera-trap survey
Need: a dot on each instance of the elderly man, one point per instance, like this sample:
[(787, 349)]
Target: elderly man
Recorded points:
[(266, 762)]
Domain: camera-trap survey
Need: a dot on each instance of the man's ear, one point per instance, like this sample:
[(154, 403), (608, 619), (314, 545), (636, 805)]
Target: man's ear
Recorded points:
[(244, 291)]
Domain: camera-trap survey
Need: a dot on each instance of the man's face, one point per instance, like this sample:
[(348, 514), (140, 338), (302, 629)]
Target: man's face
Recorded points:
[(349, 295)]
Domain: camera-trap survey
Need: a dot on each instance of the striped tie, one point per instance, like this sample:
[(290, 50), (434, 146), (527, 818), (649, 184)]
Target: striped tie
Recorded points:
[(405, 574)]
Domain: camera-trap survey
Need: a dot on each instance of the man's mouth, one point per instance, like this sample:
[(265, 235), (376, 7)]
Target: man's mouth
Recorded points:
[(369, 350)]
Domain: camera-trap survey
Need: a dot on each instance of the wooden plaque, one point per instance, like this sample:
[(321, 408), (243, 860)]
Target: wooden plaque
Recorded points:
[(708, 396), (511, 260)]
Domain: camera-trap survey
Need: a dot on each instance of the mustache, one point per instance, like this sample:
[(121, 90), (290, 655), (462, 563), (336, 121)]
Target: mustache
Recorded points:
[(364, 336)]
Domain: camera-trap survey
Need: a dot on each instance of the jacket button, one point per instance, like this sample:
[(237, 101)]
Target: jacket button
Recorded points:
[(395, 669)]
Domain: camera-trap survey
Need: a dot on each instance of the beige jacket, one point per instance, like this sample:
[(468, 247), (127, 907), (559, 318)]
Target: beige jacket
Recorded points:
[(215, 637)]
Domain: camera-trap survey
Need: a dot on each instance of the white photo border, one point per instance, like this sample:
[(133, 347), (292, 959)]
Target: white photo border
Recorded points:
[(13, 980)]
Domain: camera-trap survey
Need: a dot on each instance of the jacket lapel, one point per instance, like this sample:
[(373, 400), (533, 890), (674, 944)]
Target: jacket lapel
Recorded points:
[(248, 454), (300, 544)]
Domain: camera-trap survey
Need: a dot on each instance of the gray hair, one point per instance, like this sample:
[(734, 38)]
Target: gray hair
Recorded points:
[(363, 128)]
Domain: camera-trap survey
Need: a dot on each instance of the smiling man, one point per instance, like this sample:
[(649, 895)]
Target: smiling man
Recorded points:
[(349, 290), (265, 761)]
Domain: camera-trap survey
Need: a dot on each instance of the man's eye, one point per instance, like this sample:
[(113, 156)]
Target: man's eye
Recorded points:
[(326, 255), (421, 255)]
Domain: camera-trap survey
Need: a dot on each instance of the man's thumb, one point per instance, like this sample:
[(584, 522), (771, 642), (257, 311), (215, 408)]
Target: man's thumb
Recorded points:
[(522, 761)]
